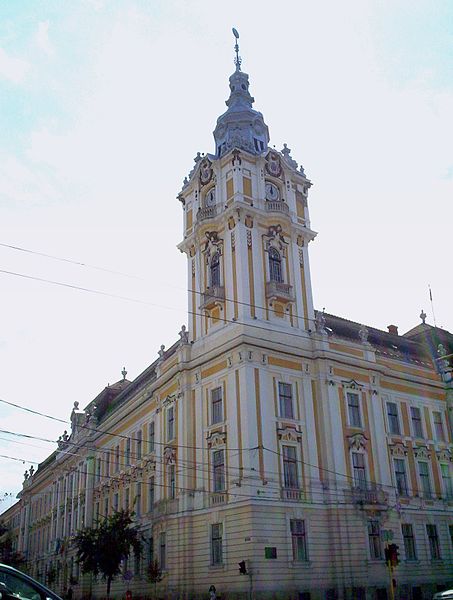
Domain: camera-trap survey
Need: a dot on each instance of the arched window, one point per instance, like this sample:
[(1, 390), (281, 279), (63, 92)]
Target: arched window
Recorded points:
[(275, 265), (215, 270)]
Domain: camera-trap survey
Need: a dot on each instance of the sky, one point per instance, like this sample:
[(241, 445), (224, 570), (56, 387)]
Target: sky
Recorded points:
[(103, 106)]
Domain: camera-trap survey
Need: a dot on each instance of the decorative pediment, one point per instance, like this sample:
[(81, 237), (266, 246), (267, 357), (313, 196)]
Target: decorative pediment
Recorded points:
[(218, 438), (136, 472), (273, 164), (169, 400), (398, 450), (289, 434), (357, 441), (444, 455), (206, 171), (274, 239), (170, 455), (422, 452), (352, 384), (150, 465)]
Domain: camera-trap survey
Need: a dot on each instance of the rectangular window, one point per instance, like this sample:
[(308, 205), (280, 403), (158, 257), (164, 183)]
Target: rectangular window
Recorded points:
[(400, 476), (216, 406), (446, 481), (450, 531), (172, 481), (138, 499), (117, 458), (97, 476), (298, 539), (116, 502), (425, 482), (409, 541), (285, 400), (150, 550), (359, 470), (433, 540), (170, 423), (218, 461), (106, 463), (106, 508), (151, 437), (216, 544), (374, 539), (162, 551), (151, 492), (126, 499), (291, 479), (438, 426), (128, 452), (393, 420), (416, 417), (355, 419), (137, 563), (138, 441)]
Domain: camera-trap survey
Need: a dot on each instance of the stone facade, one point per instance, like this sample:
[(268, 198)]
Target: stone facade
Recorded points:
[(270, 433)]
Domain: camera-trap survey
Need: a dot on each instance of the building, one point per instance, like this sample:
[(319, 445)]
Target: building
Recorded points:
[(291, 442)]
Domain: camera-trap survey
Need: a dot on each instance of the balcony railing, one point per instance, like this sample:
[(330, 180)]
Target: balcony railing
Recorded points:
[(208, 212), (293, 494), (276, 206), (217, 498), (279, 291), (369, 495), (212, 296)]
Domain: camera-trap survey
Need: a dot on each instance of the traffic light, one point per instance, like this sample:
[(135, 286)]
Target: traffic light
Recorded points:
[(391, 555), (242, 568)]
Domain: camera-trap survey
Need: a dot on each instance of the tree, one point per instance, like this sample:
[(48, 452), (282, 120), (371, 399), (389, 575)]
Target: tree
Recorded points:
[(8, 555), (154, 573), (101, 549)]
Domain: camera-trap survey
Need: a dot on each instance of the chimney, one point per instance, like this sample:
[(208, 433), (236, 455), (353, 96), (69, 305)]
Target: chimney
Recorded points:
[(393, 329)]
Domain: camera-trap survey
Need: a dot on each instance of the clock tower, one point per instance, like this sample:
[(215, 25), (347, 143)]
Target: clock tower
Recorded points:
[(246, 227)]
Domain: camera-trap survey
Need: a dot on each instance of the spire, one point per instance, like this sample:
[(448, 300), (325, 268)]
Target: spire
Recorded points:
[(240, 126), (238, 59)]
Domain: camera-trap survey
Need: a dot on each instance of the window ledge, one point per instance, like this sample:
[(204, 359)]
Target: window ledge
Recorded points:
[(221, 567), (412, 561), (437, 561), (376, 561), (300, 563)]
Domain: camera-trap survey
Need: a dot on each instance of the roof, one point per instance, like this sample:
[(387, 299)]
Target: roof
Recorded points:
[(419, 345)]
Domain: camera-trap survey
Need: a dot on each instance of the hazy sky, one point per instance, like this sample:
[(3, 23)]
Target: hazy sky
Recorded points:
[(104, 104)]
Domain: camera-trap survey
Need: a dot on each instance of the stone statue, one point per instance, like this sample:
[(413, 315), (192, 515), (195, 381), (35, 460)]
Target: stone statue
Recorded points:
[(184, 335), (320, 322), (363, 334)]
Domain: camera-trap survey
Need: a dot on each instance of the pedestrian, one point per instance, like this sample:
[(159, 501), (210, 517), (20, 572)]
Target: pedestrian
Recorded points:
[(212, 595)]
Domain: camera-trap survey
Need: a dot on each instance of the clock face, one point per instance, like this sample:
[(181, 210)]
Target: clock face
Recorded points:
[(210, 197), (272, 192)]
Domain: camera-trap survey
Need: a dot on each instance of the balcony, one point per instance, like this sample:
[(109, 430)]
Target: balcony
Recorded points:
[(369, 496), (276, 206), (293, 494), (212, 296), (276, 290), (208, 212), (216, 498)]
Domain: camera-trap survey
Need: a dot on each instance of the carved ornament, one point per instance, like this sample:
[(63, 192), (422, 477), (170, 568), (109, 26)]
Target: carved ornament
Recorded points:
[(170, 455), (289, 434), (216, 439), (357, 441), (398, 450), (422, 452), (273, 164)]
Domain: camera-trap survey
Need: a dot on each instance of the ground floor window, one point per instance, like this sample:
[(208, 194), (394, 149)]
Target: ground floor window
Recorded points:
[(374, 539), (216, 544), (298, 539)]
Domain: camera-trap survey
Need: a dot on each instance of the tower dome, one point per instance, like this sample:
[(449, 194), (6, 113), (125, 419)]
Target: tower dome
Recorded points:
[(240, 126)]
